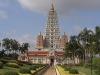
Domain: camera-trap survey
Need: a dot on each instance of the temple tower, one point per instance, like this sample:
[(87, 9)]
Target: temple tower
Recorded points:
[(39, 42), (63, 41), (52, 35)]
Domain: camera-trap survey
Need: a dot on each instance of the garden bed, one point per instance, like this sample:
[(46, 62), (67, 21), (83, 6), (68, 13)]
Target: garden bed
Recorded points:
[(63, 72)]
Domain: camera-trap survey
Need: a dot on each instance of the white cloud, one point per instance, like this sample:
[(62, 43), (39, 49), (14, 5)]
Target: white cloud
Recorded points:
[(63, 7), (3, 14)]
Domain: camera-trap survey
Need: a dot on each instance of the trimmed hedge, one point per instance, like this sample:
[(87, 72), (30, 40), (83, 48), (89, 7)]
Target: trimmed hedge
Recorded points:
[(14, 65), (32, 68), (20, 64), (4, 61), (11, 73), (12, 61), (9, 58), (1, 65), (25, 71), (73, 71)]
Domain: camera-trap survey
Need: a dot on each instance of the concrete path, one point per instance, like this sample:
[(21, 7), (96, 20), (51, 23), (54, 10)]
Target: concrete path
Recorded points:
[(50, 71)]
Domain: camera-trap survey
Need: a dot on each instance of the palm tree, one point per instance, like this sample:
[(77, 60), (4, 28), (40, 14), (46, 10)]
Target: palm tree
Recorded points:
[(72, 48), (97, 39), (14, 46), (83, 39), (26, 46)]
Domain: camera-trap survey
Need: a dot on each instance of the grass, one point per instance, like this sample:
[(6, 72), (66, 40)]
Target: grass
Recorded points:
[(84, 70), (6, 69)]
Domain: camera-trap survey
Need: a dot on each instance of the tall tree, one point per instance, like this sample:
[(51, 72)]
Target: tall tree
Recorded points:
[(6, 44), (24, 47), (97, 39), (72, 48), (14, 47), (83, 39)]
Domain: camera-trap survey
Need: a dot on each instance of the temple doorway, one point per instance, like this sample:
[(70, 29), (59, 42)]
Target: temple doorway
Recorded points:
[(51, 61)]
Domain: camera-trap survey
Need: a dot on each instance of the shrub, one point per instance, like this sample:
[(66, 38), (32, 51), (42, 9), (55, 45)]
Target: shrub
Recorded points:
[(20, 64), (1, 65), (25, 71), (67, 68), (11, 73), (96, 61), (12, 61), (14, 65), (9, 58), (4, 61), (37, 66), (32, 68), (98, 71), (73, 71)]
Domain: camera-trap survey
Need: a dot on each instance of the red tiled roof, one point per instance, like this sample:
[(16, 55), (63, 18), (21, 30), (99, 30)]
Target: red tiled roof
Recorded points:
[(60, 52), (37, 52), (59, 55), (37, 55)]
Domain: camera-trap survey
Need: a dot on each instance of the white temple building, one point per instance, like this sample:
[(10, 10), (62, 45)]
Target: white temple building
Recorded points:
[(50, 47)]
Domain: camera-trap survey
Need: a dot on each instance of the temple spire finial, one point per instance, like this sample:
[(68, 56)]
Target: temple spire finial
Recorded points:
[(52, 5), (40, 32), (64, 33)]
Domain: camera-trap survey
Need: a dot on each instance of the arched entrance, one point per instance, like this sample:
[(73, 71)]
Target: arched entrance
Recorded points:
[(51, 61)]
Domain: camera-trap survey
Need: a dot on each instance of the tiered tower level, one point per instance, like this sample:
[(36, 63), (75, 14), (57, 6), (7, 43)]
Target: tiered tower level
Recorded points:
[(51, 39)]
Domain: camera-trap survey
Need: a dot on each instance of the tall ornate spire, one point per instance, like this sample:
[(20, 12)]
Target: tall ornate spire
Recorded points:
[(63, 41), (39, 41), (52, 35)]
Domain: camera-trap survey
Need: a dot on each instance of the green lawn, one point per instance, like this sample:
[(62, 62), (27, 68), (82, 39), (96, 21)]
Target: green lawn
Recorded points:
[(5, 69), (84, 70)]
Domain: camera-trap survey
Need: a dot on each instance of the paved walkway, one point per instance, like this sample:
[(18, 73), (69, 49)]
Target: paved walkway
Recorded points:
[(50, 71)]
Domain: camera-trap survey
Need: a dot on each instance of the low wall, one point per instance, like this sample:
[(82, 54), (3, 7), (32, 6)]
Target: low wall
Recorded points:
[(57, 72)]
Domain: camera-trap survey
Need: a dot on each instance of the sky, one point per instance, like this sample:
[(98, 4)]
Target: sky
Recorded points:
[(24, 19)]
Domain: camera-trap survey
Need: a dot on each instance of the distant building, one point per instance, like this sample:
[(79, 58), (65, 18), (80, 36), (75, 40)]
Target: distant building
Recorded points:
[(50, 47)]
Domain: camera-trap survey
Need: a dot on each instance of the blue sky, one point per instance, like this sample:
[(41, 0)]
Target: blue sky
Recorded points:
[(24, 19)]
